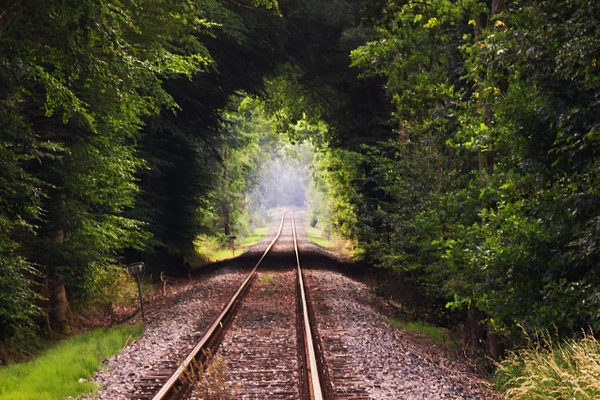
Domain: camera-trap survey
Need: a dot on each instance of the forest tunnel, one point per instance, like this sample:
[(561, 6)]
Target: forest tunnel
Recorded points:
[(454, 143)]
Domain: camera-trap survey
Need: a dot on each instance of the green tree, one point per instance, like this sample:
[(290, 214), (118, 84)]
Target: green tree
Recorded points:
[(78, 80), (482, 193)]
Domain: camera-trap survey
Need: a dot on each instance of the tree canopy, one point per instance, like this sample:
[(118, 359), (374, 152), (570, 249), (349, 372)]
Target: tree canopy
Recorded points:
[(455, 142)]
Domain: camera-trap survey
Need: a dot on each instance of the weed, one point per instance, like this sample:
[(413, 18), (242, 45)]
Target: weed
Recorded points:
[(266, 278), (208, 379), (436, 333), (570, 370)]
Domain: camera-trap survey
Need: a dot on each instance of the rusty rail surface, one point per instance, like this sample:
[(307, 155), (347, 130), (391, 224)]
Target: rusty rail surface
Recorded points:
[(314, 381), (174, 383)]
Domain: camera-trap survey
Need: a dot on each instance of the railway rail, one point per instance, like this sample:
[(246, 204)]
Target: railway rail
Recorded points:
[(172, 380)]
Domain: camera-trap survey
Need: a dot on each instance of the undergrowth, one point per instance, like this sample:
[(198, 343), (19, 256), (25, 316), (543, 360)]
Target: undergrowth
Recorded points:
[(565, 371), (64, 369), (436, 333), (215, 248), (112, 287)]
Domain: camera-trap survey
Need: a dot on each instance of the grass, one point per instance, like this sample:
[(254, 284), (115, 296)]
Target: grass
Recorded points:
[(317, 236), (436, 333), (211, 249), (256, 236), (343, 247), (224, 254), (321, 241), (62, 370), (570, 370), (266, 278)]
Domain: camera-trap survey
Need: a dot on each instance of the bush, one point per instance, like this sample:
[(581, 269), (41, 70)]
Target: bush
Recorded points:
[(110, 286)]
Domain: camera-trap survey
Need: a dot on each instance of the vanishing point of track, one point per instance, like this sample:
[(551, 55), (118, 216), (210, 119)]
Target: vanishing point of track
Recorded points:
[(310, 378)]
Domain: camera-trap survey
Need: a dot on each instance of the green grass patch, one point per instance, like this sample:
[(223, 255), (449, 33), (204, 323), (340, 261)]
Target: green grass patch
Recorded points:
[(317, 236), (344, 247), (256, 236), (570, 370), (313, 231), (436, 333), (56, 373), (321, 241), (266, 278), (212, 249), (224, 254)]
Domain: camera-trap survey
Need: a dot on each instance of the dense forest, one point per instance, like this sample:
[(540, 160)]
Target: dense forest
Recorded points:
[(456, 143)]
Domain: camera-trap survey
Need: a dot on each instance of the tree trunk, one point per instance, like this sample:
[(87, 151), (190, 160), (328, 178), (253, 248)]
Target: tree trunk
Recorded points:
[(495, 347), (485, 157), (474, 328), (498, 6), (225, 197), (226, 221), (59, 305)]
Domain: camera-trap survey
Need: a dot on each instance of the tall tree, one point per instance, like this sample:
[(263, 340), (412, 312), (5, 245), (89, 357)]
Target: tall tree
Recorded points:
[(79, 79)]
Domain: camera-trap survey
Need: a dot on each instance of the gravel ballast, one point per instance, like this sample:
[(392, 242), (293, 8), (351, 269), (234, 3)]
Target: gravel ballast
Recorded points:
[(364, 355)]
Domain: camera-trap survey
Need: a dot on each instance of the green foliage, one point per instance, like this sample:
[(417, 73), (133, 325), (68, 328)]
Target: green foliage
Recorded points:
[(337, 174), (56, 374), (184, 149), (250, 135), (108, 287), (486, 198), (78, 80), (17, 295)]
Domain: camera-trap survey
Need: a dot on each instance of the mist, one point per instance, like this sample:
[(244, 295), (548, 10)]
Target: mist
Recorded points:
[(283, 180)]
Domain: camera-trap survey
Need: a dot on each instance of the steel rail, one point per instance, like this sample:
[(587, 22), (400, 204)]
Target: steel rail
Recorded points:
[(314, 381), (172, 383)]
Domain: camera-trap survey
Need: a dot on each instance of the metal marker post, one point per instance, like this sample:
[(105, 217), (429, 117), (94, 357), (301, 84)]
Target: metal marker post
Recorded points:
[(136, 269), (231, 239)]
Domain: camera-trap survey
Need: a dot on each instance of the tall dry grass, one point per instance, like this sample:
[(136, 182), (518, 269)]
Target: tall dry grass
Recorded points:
[(208, 380), (569, 371)]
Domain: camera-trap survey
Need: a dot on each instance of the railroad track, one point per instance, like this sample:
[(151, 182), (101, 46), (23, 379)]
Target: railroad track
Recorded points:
[(264, 333)]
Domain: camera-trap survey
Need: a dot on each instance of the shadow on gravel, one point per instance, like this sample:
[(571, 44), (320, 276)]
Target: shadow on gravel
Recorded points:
[(318, 260)]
